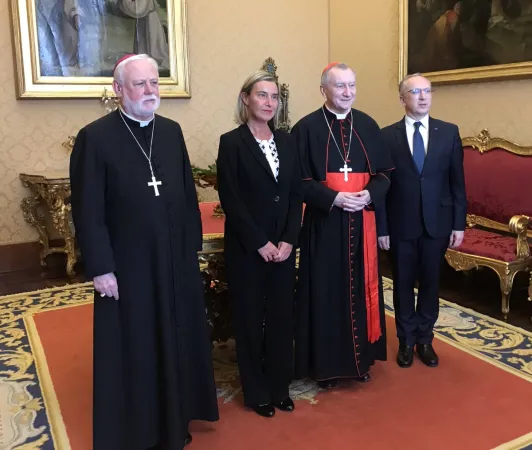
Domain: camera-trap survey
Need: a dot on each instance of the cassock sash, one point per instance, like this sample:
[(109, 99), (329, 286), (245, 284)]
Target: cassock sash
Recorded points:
[(356, 183)]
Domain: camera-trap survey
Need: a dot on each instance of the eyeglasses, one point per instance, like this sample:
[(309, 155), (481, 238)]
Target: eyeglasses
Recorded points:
[(417, 91)]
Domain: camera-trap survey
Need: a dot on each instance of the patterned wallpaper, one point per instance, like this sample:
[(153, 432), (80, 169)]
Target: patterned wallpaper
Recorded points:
[(228, 39), (366, 36)]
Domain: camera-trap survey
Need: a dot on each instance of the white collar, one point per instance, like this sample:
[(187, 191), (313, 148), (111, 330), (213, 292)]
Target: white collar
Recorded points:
[(409, 121), (338, 115), (143, 123)]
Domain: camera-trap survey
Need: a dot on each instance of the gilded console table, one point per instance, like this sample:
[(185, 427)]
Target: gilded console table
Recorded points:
[(50, 190)]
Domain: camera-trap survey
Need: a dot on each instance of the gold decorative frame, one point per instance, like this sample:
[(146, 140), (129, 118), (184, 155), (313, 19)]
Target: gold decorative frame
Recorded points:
[(474, 74), (519, 225), (30, 83), (284, 119)]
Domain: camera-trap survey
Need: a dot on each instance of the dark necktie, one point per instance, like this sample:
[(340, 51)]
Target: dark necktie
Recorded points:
[(418, 151)]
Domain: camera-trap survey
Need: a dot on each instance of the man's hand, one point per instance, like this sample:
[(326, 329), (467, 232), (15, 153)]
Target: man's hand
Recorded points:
[(285, 249), (456, 239), (352, 201), (106, 285), (384, 242), (268, 252)]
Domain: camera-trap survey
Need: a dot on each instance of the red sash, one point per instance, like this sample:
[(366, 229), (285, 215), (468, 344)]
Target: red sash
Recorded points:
[(356, 183)]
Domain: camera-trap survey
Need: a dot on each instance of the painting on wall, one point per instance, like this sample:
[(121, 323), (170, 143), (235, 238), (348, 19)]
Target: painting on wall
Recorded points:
[(68, 48), (454, 41)]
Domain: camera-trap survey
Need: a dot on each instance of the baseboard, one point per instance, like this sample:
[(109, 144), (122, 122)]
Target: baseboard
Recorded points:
[(26, 256)]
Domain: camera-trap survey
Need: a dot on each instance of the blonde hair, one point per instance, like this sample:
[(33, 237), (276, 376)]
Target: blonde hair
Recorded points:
[(241, 115)]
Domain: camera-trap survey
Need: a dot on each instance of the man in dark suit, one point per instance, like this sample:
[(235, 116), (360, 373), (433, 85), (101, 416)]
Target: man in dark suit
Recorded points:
[(425, 213)]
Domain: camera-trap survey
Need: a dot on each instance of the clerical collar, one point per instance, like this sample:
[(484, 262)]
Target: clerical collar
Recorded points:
[(409, 121), (142, 123), (338, 115)]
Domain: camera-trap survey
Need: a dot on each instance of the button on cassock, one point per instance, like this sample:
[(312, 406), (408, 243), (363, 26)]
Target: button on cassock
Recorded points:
[(276, 198)]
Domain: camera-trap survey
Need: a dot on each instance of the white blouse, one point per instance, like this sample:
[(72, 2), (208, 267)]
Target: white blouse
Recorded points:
[(270, 151)]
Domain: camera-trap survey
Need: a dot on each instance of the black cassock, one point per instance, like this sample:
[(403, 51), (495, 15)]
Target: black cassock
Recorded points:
[(336, 251), (153, 370)]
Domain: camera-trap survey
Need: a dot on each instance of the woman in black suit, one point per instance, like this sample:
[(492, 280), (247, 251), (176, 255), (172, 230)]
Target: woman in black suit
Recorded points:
[(259, 187)]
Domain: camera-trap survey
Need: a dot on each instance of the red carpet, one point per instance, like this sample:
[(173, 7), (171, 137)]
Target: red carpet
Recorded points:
[(466, 403)]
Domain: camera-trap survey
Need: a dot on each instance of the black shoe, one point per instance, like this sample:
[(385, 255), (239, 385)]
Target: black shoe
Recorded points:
[(405, 355), (427, 355), (327, 384), (188, 439), (265, 410), (364, 378), (286, 405)]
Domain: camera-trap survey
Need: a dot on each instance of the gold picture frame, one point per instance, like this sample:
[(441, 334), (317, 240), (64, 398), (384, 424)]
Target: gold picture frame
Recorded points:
[(73, 76), (478, 73)]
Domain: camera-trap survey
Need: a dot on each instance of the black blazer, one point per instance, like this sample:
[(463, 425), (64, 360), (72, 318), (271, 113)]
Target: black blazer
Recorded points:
[(435, 199), (259, 209)]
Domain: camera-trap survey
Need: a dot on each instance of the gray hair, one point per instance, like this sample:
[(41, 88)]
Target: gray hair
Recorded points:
[(118, 75), (325, 74), (241, 115), (405, 79)]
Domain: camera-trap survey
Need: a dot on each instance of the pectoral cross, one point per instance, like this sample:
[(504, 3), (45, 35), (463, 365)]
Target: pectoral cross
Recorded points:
[(155, 183), (346, 169)]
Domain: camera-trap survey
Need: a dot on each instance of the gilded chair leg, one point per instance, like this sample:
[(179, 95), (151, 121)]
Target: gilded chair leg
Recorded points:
[(505, 304), (506, 278)]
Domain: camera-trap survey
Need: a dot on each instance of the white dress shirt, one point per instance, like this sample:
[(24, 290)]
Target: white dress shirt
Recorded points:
[(423, 129)]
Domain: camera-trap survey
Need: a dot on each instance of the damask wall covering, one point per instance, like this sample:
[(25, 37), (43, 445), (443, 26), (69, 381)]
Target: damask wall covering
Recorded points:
[(366, 35), (228, 39)]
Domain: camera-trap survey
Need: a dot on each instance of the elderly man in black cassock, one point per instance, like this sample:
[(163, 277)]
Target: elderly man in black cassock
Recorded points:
[(340, 324), (138, 225)]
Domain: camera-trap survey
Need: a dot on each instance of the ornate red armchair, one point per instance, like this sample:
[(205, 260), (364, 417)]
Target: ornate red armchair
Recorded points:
[(498, 184)]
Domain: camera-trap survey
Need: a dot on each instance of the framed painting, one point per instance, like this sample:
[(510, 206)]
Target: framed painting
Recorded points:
[(452, 41), (68, 48)]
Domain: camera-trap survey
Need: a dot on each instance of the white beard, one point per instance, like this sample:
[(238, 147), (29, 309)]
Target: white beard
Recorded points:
[(139, 109)]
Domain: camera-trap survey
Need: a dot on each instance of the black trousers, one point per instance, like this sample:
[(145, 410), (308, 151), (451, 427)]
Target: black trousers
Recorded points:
[(414, 260), (262, 302)]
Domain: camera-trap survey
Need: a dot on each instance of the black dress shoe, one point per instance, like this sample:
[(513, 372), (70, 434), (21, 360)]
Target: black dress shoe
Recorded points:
[(265, 410), (327, 384), (286, 405), (405, 355), (188, 439), (364, 378), (427, 355)]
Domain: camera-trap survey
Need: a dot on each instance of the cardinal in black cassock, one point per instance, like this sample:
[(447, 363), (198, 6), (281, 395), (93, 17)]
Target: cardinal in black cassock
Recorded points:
[(340, 323), (153, 370)]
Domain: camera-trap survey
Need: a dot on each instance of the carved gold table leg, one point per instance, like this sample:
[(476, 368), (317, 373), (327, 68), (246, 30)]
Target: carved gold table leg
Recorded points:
[(52, 192), (56, 198), (36, 219)]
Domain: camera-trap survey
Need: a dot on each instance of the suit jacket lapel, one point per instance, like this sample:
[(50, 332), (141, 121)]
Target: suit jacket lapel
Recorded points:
[(284, 170), (432, 146), (400, 134), (250, 141)]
